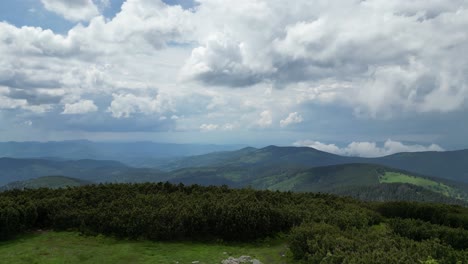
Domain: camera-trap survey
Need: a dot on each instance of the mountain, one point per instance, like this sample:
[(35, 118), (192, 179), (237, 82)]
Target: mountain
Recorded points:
[(96, 171), (448, 164), (303, 157), (329, 178), (364, 181), (137, 154), (445, 164), (374, 182), (53, 182)]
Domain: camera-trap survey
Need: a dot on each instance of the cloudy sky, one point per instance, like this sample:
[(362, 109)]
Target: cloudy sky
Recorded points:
[(354, 77)]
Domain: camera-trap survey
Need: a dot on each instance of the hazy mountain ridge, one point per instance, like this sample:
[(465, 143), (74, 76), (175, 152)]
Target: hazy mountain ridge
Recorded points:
[(52, 182), (298, 169), (357, 180), (89, 170), (137, 154)]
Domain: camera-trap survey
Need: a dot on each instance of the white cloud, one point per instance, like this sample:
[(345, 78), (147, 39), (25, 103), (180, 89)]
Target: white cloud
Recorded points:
[(357, 47), (368, 149), (347, 55), (74, 10), (266, 119), (208, 127), (229, 127), (28, 123), (80, 107), (216, 127), (293, 118), (124, 105)]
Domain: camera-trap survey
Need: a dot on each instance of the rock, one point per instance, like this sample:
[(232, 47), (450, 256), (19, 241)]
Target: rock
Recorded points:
[(195, 262), (241, 259), (244, 259)]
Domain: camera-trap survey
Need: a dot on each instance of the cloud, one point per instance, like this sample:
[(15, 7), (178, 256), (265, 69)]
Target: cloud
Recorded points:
[(81, 107), (368, 149), (124, 105), (73, 10), (43, 70), (28, 123), (208, 127), (244, 63), (293, 118), (357, 47), (266, 119)]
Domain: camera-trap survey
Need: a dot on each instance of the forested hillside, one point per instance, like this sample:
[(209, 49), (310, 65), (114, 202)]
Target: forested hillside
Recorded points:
[(446, 165), (320, 228), (357, 180)]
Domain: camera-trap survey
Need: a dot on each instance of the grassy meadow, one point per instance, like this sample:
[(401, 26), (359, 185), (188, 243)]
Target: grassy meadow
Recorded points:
[(70, 247)]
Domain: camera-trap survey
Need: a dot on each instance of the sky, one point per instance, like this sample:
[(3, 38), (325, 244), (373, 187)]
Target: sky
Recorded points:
[(352, 77)]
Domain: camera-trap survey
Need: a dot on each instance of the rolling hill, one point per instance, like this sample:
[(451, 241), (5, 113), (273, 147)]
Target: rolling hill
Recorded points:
[(447, 165), (273, 168), (136, 154), (358, 180), (53, 182), (96, 171)]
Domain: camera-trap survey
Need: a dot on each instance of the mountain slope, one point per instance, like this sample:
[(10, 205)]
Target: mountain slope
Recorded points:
[(346, 178), (324, 179), (448, 165), (89, 170), (138, 154), (302, 157), (53, 182)]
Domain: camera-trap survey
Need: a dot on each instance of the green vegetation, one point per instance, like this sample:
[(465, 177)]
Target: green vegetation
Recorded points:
[(395, 177), (323, 179), (70, 247), (446, 165), (396, 192), (426, 183), (318, 228), (356, 180)]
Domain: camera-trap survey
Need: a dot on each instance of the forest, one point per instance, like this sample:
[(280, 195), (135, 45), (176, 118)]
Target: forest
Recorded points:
[(320, 228)]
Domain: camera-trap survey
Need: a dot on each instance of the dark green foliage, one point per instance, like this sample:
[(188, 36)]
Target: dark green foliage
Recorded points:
[(395, 192), (419, 230), (325, 243), (451, 216), (166, 211), (322, 228)]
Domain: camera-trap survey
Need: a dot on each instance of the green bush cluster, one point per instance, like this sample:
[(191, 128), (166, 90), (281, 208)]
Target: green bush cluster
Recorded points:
[(164, 211), (322, 228)]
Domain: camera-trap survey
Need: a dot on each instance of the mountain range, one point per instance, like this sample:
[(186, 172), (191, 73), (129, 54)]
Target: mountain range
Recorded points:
[(422, 176), (137, 154), (451, 165)]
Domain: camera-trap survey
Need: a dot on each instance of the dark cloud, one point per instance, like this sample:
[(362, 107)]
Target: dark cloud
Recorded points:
[(33, 97)]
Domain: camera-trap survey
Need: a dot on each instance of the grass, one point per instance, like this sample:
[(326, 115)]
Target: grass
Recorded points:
[(393, 177), (70, 247)]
